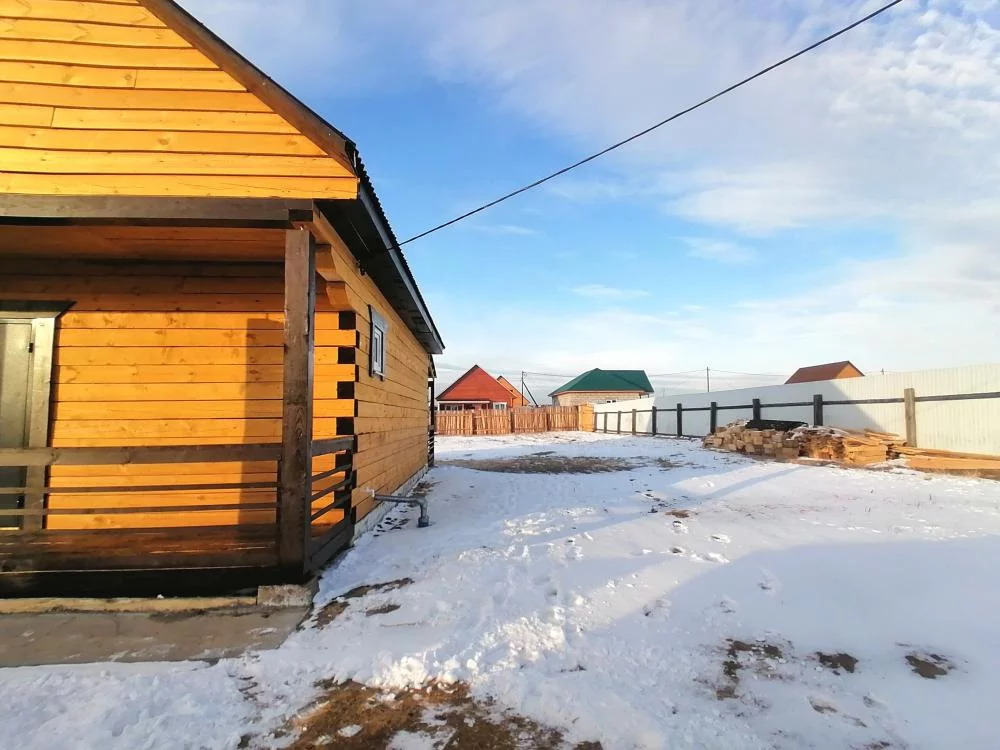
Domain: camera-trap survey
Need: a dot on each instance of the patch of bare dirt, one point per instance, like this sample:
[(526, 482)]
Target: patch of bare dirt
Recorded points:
[(837, 662), (667, 463), (339, 604), (759, 657), (351, 716), (545, 464), (929, 666), (679, 513)]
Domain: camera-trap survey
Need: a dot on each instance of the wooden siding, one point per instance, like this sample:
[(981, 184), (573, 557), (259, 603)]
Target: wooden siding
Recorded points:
[(102, 98), (173, 354), (392, 415)]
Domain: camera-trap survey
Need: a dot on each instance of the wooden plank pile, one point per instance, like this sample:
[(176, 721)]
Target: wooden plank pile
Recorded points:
[(928, 459), (852, 447), (858, 448), (855, 447), (739, 438)]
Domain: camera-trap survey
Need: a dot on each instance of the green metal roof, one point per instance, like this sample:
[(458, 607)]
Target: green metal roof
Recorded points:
[(608, 380)]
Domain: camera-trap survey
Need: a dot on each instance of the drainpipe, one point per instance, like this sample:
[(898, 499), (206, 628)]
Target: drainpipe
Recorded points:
[(421, 502)]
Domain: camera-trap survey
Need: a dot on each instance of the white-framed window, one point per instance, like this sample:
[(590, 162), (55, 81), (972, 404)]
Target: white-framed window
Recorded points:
[(380, 330), (500, 406)]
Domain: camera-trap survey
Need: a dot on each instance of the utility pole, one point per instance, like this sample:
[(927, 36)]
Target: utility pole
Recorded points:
[(708, 382)]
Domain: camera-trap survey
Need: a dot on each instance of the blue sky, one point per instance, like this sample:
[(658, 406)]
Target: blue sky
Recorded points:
[(844, 208)]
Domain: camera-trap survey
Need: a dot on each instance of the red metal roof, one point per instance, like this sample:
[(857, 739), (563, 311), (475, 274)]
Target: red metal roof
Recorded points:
[(517, 398), (829, 371), (476, 385)]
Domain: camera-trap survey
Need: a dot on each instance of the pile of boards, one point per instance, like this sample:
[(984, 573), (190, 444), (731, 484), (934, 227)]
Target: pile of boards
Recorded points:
[(739, 438), (854, 447), (928, 459), (858, 448)]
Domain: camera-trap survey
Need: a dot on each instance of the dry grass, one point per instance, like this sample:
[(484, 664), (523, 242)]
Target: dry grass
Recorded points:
[(351, 716)]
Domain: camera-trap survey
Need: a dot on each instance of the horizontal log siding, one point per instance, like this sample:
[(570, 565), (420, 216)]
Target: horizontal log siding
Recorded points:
[(101, 98), (148, 356), (392, 414)]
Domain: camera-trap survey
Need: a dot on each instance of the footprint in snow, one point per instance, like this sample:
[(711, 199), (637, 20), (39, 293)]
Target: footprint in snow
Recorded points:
[(768, 583), (716, 557), (680, 527), (721, 538)]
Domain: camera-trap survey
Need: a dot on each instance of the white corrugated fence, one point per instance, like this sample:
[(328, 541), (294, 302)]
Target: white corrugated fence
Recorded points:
[(955, 409)]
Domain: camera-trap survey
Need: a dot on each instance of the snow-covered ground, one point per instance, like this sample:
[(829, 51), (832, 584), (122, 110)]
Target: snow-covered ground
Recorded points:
[(682, 603)]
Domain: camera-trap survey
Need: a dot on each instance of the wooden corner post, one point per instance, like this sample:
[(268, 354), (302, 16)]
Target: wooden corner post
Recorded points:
[(295, 483)]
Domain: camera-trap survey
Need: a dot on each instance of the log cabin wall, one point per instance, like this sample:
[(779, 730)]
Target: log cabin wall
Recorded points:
[(103, 98), (166, 353), (392, 413)]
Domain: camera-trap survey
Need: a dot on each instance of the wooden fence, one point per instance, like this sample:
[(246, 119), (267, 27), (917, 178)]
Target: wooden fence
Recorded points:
[(512, 421)]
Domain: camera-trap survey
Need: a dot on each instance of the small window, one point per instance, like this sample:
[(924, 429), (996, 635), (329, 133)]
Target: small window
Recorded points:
[(378, 344), (500, 406)]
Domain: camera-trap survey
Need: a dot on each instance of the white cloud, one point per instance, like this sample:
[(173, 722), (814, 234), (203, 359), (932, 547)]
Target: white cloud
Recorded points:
[(892, 126), (718, 250), (603, 292)]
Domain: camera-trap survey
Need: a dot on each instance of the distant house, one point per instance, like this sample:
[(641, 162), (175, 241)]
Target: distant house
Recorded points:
[(602, 386), (830, 371), (477, 389), (517, 398)]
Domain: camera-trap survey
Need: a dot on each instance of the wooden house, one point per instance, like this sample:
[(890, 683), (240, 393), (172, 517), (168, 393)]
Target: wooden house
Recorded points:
[(602, 386), (477, 389), (213, 350), (829, 371), (516, 397)]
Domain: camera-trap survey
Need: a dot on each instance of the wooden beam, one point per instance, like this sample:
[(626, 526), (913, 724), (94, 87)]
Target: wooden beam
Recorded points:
[(342, 297), (156, 454), (49, 210), (297, 411)]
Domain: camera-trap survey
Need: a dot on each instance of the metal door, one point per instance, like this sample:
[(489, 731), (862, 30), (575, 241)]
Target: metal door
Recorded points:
[(15, 373)]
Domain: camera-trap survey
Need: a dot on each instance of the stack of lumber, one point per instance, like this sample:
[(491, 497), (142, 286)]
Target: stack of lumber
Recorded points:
[(859, 448), (854, 447), (928, 459), (739, 438)]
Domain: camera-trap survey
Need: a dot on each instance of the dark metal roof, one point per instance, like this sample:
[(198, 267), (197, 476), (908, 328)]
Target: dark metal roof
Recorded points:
[(382, 257)]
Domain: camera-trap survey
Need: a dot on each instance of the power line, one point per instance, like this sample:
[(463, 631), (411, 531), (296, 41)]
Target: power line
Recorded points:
[(651, 128), (758, 374)]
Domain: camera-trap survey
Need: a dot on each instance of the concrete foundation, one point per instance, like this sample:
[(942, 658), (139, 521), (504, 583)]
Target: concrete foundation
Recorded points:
[(77, 631)]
